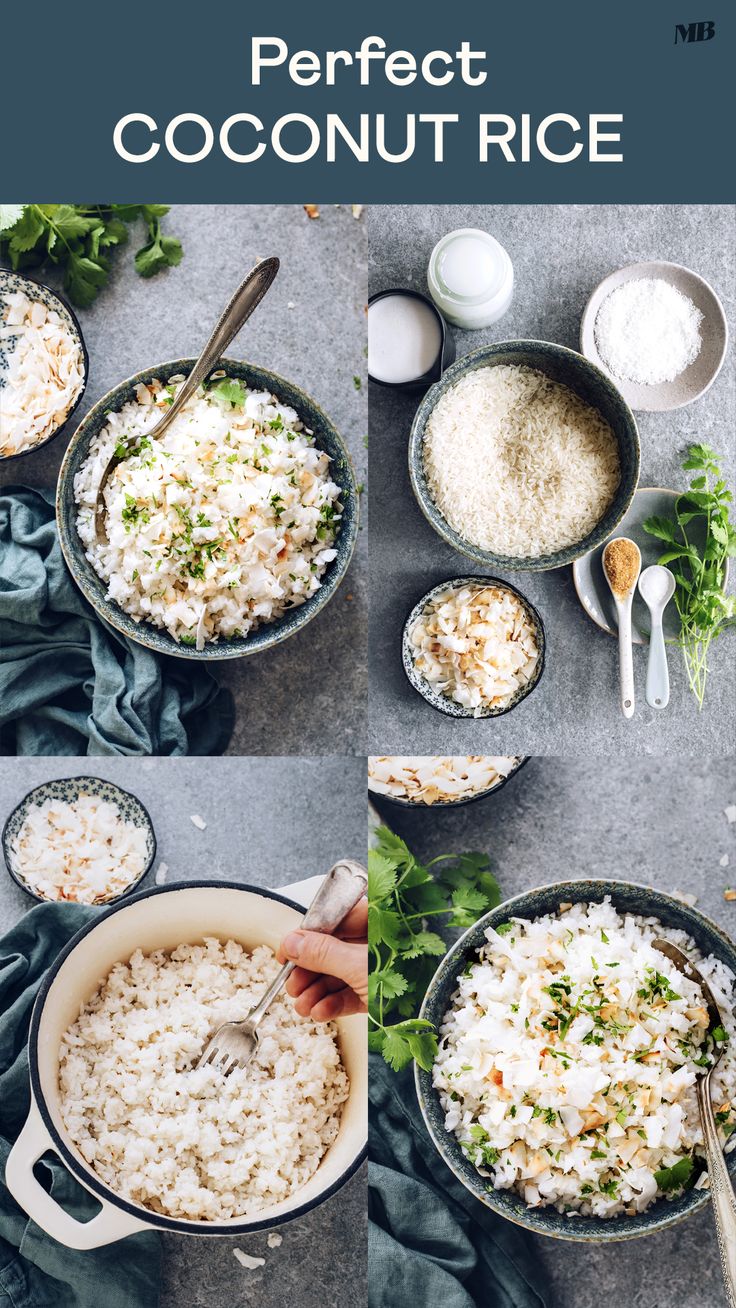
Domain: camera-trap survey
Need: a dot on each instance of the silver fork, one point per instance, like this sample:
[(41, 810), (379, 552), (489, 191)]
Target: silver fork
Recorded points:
[(234, 1043)]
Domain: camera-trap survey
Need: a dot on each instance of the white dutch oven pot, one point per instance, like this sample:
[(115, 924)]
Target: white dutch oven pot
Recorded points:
[(162, 919)]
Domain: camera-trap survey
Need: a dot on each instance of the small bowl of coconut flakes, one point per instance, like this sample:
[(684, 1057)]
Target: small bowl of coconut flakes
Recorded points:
[(439, 780), (79, 840), (43, 364)]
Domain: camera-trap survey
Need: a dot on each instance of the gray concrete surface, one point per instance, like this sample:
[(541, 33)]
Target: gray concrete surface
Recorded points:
[(307, 695), (656, 821), (560, 253), (270, 821)]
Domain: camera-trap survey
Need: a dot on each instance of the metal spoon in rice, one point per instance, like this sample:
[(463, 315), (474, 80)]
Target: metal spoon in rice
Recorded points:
[(234, 1044), (724, 1200), (245, 300)]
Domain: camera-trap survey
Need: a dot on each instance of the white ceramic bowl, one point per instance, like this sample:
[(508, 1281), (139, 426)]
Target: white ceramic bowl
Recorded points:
[(702, 372), (162, 919)]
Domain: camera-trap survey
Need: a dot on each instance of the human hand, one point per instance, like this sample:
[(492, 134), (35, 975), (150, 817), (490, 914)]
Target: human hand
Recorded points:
[(331, 976)]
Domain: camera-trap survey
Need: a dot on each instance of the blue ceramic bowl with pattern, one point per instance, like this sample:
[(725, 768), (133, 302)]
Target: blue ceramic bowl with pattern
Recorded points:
[(435, 697), (627, 897), (67, 790), (377, 796), (37, 291), (591, 385), (156, 638)]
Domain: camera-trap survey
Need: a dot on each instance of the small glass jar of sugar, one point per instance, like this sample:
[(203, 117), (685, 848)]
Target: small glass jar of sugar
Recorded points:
[(408, 344), (470, 278)]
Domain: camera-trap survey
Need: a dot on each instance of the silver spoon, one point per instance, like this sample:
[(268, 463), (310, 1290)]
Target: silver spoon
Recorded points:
[(623, 600), (247, 298), (234, 1043), (656, 587), (724, 1200)]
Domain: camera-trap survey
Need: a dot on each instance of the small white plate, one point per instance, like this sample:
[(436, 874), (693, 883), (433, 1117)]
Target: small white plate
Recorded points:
[(702, 372)]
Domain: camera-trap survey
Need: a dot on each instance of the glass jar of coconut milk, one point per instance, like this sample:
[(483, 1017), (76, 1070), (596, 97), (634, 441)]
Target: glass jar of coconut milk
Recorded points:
[(470, 278)]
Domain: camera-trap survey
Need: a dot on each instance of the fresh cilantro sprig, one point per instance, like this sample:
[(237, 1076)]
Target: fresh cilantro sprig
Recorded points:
[(699, 570), (403, 897), (80, 239)]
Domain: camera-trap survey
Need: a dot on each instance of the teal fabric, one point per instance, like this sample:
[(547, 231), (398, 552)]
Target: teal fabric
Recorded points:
[(429, 1241), (36, 1271), (69, 683)]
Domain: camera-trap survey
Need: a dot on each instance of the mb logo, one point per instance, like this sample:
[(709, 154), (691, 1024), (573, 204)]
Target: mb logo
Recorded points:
[(690, 32)]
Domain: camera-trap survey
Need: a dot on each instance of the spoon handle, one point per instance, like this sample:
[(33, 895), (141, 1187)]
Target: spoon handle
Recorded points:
[(247, 298), (658, 677), (626, 659), (724, 1201), (342, 888)]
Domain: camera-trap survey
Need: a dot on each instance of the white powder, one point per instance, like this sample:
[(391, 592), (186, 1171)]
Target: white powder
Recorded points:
[(647, 331)]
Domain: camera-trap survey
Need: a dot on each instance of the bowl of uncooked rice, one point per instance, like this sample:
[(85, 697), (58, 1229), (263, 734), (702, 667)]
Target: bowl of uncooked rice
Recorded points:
[(524, 455)]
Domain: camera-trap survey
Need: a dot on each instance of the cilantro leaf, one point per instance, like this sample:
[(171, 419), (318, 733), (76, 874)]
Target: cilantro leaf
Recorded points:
[(676, 1176), (396, 1049), (381, 876)]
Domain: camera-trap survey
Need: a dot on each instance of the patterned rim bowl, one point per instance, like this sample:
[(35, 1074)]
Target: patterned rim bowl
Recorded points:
[(67, 790), (627, 897), (435, 697), (156, 638), (401, 802), (15, 281), (587, 381)]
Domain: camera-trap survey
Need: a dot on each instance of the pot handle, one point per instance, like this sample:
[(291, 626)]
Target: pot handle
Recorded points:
[(109, 1224)]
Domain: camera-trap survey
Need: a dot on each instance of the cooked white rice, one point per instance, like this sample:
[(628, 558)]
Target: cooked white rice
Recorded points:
[(517, 463), (44, 376), (82, 851), (476, 645), (566, 1062), (187, 1141), (436, 779), (224, 523)]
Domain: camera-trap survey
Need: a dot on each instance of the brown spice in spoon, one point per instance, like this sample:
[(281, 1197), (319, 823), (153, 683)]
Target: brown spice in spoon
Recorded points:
[(621, 562)]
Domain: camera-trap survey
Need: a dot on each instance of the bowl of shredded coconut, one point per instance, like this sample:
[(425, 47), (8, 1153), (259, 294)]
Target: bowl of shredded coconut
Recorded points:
[(441, 781), (224, 536), (473, 647), (563, 1091), (43, 364), (660, 332), (79, 840)]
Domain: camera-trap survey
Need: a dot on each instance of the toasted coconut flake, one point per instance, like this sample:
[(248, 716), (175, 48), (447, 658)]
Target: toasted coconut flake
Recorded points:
[(45, 373), (437, 779), (83, 852)]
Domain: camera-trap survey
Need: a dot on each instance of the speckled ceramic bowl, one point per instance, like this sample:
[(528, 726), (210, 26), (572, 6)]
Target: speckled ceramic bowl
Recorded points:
[(15, 281), (587, 381), (379, 797), (156, 638), (68, 789), (627, 897), (435, 697)]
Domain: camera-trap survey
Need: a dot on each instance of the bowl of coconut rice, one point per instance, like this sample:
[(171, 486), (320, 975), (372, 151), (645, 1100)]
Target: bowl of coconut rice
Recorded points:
[(524, 455), (226, 535), (116, 1034), (563, 1093)]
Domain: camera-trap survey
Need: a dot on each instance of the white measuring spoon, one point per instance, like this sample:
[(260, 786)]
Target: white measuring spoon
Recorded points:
[(623, 617), (656, 587)]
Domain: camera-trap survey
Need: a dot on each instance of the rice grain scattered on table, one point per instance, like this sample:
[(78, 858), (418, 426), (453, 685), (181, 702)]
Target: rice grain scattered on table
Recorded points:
[(517, 463)]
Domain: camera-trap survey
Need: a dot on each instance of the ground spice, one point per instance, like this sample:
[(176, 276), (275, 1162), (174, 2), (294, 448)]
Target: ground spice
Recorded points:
[(621, 563)]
